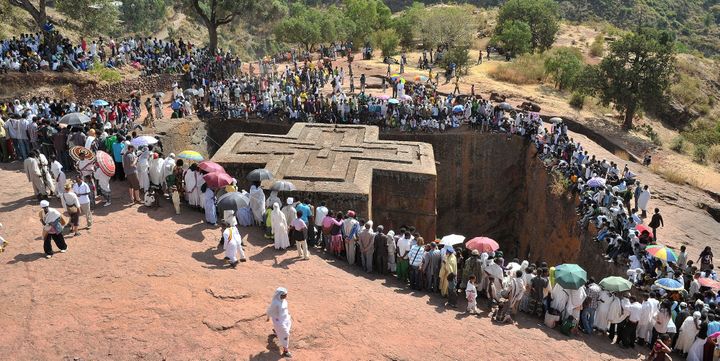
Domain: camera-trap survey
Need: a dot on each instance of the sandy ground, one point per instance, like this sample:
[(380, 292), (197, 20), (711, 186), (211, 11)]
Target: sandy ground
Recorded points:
[(148, 284)]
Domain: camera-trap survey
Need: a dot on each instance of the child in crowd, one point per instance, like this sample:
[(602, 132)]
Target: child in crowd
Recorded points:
[(471, 295)]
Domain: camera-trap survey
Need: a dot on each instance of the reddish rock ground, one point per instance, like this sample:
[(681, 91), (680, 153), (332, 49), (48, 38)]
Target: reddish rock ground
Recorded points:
[(147, 284)]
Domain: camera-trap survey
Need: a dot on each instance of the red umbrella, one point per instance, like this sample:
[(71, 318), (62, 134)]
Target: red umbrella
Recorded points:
[(482, 244), (210, 166), (217, 179), (105, 163), (641, 227), (709, 282)]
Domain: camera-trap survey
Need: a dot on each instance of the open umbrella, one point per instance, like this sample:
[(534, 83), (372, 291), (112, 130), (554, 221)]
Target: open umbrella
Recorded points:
[(556, 120), (77, 153), (106, 163), (190, 155), (190, 92), (393, 101), (596, 182), (505, 106), (405, 97), (641, 227), (210, 166), (100, 103), (669, 284), (422, 78), (159, 95), (615, 284), (395, 77), (383, 97), (259, 174), (143, 140), (217, 180), (452, 239), (482, 244), (661, 252), (458, 109), (709, 282), (282, 186), (570, 276), (74, 119), (232, 201)]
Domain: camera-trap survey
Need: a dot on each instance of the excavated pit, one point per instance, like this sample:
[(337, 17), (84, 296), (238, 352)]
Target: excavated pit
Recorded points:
[(487, 184)]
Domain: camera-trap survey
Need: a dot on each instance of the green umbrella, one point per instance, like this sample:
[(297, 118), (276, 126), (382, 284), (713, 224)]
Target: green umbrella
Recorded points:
[(570, 276), (615, 284)]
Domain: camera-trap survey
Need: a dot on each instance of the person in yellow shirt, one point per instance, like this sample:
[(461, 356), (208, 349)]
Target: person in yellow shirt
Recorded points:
[(4, 156)]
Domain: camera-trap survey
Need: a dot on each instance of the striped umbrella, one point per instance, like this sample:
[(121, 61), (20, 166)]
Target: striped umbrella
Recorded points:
[(669, 284), (662, 253), (190, 155), (77, 153)]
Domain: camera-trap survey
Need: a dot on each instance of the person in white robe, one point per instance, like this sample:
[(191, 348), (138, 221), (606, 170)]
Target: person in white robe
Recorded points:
[(46, 175), (697, 350), (200, 182), (232, 239), (144, 169), (257, 203), (279, 314), (559, 298), (191, 186), (59, 177), (273, 199), (34, 176), (643, 200), (601, 314), (616, 314), (156, 170), (103, 185), (279, 228), (289, 210), (650, 309), (688, 331), (574, 302), (209, 199), (168, 169)]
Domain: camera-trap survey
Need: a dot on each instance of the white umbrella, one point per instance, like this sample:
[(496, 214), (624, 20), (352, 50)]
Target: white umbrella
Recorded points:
[(452, 239), (143, 140)]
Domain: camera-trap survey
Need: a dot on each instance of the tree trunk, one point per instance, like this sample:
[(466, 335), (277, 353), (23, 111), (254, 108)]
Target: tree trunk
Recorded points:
[(629, 115), (431, 58), (39, 14), (213, 35)]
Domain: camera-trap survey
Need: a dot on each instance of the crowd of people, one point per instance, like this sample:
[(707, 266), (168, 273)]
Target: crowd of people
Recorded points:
[(612, 200)]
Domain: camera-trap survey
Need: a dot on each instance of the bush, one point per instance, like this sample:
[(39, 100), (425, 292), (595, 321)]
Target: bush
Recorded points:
[(577, 100), (386, 40), (526, 69), (700, 153), (560, 184), (678, 144), (109, 75), (650, 133), (713, 155), (565, 65), (597, 49)]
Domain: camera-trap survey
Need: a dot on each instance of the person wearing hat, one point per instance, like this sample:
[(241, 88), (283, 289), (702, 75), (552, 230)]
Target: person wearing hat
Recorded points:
[(366, 240), (279, 314), (472, 267), (289, 210), (350, 230), (53, 224), (232, 239)]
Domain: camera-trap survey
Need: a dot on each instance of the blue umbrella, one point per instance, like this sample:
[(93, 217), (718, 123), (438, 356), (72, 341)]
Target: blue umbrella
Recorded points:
[(669, 284), (458, 109), (100, 103), (393, 101)]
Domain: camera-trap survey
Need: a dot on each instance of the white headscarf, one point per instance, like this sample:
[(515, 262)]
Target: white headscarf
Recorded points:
[(276, 305)]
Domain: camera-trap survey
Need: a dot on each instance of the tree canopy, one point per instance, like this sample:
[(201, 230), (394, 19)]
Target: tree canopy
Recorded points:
[(636, 72), (309, 26), (365, 17), (94, 16), (541, 15), (514, 36), (447, 25), (565, 65)]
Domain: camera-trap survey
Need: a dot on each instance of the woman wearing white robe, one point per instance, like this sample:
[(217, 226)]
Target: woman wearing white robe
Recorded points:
[(559, 298), (59, 177), (697, 350), (279, 314), (279, 228), (601, 314), (688, 331), (156, 171), (257, 203), (575, 301), (144, 169), (45, 171), (191, 186), (198, 190), (168, 169), (210, 211), (273, 199), (232, 241), (649, 312)]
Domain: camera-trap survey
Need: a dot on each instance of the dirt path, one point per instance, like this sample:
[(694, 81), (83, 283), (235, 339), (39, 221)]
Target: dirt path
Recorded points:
[(149, 284)]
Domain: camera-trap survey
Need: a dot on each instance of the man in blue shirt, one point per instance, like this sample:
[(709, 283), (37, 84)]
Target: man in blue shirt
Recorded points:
[(307, 217), (117, 150)]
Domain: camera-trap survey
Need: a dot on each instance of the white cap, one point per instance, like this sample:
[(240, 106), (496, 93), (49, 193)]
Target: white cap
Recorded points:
[(290, 200), (44, 204)]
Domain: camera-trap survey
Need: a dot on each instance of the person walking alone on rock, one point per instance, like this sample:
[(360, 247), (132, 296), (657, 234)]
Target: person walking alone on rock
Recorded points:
[(656, 222), (279, 314), (232, 239)]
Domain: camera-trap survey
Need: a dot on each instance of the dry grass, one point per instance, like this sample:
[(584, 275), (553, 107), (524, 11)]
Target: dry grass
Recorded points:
[(674, 175), (559, 184), (713, 156), (527, 69)]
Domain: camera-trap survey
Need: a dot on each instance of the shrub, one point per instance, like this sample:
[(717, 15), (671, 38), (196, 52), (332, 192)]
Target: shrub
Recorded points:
[(559, 185), (577, 100), (700, 153), (526, 69), (109, 75), (386, 40), (713, 155), (597, 48), (674, 175), (678, 144)]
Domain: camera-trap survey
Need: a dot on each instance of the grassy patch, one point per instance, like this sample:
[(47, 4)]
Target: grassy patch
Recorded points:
[(526, 69), (597, 49), (673, 175), (108, 75), (560, 184), (713, 155)]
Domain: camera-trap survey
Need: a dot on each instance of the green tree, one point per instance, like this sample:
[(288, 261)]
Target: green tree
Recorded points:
[(541, 15), (636, 72), (514, 36), (95, 16), (565, 65), (406, 24), (458, 55), (216, 13), (386, 40), (142, 15), (309, 26), (447, 25), (366, 16)]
